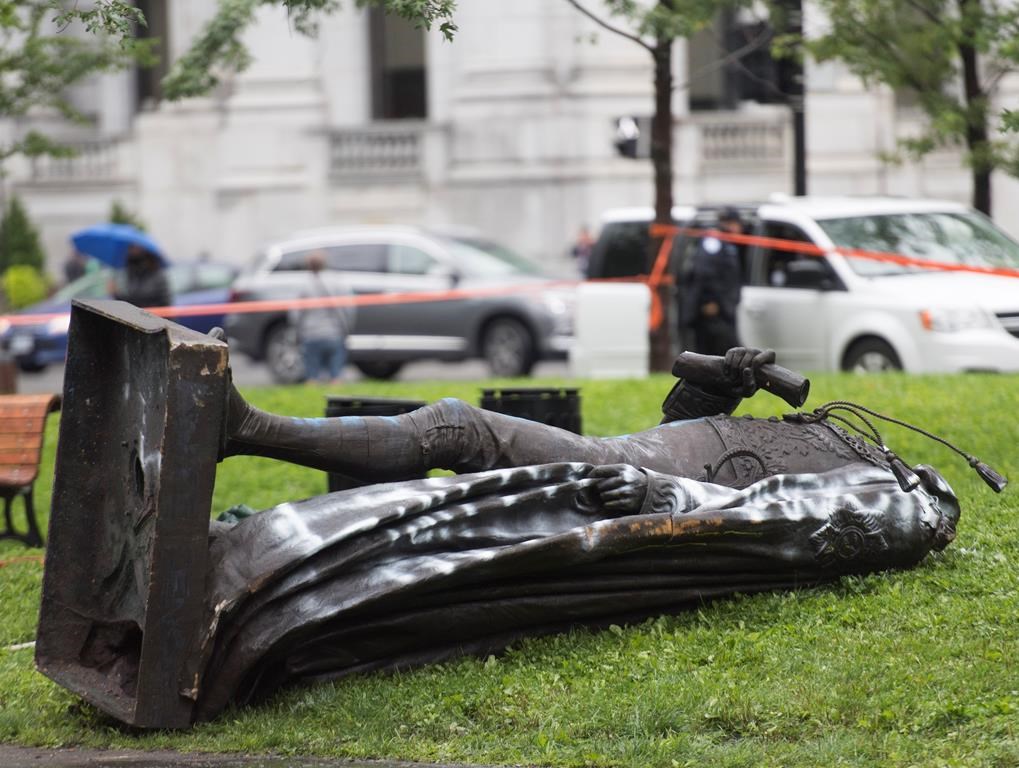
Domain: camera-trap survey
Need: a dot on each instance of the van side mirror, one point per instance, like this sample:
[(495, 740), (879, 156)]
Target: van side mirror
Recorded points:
[(808, 273)]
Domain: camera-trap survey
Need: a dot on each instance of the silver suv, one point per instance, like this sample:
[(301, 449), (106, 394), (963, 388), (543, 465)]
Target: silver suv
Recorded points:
[(515, 318)]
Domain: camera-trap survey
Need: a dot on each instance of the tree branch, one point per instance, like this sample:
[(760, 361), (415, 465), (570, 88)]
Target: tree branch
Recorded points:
[(615, 30), (927, 14)]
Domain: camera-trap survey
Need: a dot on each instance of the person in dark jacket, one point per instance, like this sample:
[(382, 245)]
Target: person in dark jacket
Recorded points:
[(144, 282), (712, 290)]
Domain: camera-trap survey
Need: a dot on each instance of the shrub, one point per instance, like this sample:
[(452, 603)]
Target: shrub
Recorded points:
[(19, 240), (24, 285), (121, 215)]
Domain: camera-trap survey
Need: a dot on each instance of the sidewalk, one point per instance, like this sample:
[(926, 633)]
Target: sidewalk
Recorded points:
[(30, 757)]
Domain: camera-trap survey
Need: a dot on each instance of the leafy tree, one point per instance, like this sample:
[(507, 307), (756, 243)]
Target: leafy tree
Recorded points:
[(220, 47), (950, 54), (656, 27), (119, 214), (40, 59), (19, 240)]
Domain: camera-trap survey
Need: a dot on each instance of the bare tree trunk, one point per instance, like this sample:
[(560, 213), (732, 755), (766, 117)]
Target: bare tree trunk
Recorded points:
[(976, 105), (661, 160)]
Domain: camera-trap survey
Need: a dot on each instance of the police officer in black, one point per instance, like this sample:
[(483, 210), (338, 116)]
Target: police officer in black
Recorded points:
[(712, 289)]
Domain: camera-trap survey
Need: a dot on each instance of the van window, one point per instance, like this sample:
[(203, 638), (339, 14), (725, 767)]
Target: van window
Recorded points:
[(621, 250), (775, 261), (956, 238)]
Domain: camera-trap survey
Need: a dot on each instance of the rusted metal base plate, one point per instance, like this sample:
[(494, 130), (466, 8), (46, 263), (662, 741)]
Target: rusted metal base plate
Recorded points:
[(144, 402)]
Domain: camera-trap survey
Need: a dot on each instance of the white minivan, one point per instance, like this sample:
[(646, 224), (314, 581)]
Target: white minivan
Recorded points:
[(836, 312)]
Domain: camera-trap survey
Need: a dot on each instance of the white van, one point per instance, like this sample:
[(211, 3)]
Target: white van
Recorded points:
[(842, 313)]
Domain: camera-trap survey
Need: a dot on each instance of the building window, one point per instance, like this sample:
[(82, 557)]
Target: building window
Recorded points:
[(755, 76), (398, 68), (149, 79)]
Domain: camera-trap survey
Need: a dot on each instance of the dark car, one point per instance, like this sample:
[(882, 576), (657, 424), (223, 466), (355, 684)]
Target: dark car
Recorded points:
[(37, 345), (517, 317)]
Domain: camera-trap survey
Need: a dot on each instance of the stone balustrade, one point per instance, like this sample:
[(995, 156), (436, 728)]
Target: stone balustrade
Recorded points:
[(377, 151), (92, 160)]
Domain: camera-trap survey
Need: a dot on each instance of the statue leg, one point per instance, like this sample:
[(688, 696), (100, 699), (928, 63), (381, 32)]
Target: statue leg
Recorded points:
[(449, 434)]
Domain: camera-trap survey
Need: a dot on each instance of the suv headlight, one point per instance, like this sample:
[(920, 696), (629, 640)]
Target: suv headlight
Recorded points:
[(955, 319)]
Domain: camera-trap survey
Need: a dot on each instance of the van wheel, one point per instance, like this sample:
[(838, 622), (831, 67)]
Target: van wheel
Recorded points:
[(379, 369), (283, 354), (508, 348), (871, 356)]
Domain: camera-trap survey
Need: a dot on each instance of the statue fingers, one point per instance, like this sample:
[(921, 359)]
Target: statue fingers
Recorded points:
[(763, 357), (621, 499)]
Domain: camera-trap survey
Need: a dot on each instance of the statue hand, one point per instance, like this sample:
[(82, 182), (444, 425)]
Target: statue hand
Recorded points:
[(620, 486), (740, 368)]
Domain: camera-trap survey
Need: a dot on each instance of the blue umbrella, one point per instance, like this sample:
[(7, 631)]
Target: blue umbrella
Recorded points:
[(109, 243)]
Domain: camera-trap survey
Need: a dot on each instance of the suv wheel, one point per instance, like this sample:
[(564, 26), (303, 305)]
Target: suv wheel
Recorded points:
[(508, 348), (871, 356), (379, 369), (283, 354)]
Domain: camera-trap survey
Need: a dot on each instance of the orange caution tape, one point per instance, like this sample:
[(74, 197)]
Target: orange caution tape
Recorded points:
[(659, 276)]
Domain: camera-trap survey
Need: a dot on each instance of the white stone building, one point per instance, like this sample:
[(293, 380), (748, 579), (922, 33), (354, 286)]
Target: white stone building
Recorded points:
[(508, 129)]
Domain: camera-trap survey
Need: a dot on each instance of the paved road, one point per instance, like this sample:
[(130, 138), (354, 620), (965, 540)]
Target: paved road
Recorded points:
[(249, 374)]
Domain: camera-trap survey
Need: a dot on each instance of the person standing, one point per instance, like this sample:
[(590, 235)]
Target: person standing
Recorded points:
[(581, 250), (322, 331), (144, 282), (74, 267), (712, 291)]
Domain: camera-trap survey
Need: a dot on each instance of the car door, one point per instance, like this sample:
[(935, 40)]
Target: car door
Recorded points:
[(776, 312), (397, 327)]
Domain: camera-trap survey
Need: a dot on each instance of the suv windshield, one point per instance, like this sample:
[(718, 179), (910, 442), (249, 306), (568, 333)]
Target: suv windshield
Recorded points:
[(487, 259), (970, 239)]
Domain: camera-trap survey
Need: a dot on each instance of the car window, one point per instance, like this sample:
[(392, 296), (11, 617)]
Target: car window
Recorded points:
[(199, 277), (775, 261), (408, 260), (213, 276), (94, 285), (956, 238), (476, 256), (355, 257), (358, 257), (181, 278)]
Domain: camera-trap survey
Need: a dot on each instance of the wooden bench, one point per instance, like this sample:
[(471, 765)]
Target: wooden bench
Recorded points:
[(22, 426)]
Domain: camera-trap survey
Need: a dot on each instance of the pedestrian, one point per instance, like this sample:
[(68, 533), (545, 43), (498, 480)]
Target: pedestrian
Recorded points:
[(711, 294), (144, 282), (322, 331), (581, 250), (74, 266)]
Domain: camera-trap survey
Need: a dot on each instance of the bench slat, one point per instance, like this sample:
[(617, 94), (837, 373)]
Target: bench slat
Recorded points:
[(16, 457), (15, 477), (21, 425), (20, 440)]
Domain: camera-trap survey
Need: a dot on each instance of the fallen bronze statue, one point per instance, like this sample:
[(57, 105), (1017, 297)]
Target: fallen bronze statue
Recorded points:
[(161, 619)]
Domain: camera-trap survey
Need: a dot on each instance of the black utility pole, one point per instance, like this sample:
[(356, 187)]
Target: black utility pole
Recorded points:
[(791, 83)]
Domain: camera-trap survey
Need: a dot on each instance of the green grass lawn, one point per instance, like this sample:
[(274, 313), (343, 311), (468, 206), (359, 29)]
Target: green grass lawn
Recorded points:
[(904, 669)]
